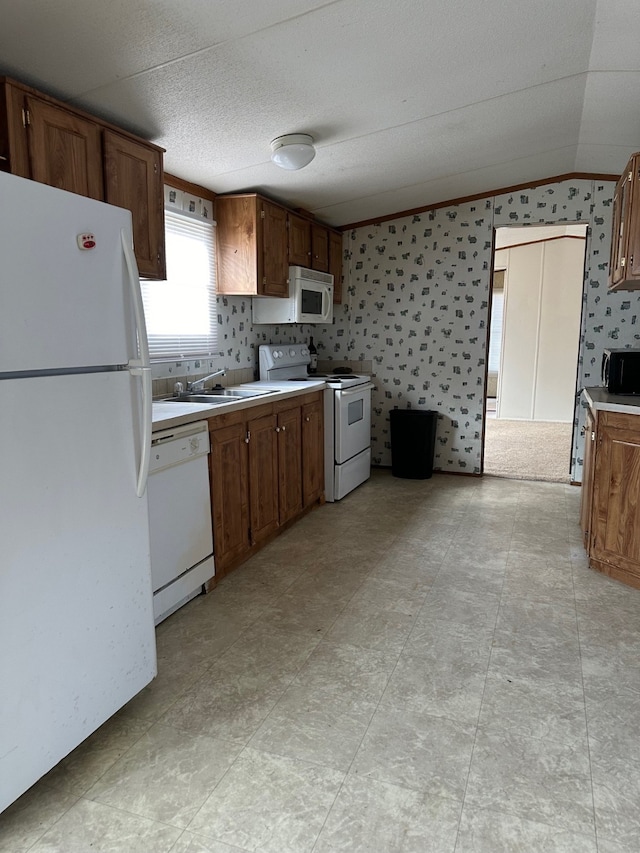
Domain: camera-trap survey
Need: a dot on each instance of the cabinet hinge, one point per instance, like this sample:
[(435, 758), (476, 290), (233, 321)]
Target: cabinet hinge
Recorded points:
[(623, 262), (630, 176), (264, 279), (248, 438), (155, 168), (26, 118), (262, 214)]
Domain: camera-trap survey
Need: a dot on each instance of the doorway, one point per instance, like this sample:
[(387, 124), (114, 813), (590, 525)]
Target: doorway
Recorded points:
[(534, 334)]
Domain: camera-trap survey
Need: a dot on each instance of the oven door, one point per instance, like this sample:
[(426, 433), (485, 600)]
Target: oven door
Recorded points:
[(352, 414)]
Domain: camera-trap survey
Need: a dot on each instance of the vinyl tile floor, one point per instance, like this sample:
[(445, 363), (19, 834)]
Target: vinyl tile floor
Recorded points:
[(426, 667)]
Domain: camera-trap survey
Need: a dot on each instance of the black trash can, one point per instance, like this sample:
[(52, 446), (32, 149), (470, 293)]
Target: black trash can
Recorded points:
[(413, 441)]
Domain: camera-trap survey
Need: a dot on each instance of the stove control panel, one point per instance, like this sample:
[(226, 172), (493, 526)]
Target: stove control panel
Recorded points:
[(283, 355)]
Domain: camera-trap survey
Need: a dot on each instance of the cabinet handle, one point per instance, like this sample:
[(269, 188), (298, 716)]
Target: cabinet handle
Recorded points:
[(277, 429), (307, 419), (284, 429), (247, 439)]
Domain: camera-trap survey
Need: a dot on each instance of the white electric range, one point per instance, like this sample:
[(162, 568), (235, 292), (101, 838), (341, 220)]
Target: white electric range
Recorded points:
[(347, 414)]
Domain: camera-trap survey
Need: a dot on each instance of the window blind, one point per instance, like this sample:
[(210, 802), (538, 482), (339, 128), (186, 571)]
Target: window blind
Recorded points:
[(181, 312)]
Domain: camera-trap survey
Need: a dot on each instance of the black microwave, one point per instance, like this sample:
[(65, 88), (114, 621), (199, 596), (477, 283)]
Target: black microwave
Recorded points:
[(621, 371)]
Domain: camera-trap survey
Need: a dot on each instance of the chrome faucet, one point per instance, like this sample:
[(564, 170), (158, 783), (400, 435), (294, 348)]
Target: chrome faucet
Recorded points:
[(199, 383)]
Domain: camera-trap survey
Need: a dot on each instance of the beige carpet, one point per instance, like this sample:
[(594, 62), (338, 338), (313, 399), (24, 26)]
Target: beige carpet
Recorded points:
[(527, 450)]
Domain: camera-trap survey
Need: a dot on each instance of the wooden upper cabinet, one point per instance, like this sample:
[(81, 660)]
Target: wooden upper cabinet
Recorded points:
[(319, 248), (335, 264), (299, 241), (49, 141), (275, 248), (252, 246), (65, 150), (133, 179), (624, 262)]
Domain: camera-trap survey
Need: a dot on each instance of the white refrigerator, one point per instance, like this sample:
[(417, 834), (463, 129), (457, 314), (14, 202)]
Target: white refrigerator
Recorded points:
[(76, 615)]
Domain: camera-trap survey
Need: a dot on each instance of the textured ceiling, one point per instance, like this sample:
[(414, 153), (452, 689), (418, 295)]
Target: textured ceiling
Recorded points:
[(410, 102)]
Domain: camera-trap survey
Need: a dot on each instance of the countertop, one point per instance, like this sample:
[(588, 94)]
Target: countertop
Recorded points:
[(167, 414), (599, 399)]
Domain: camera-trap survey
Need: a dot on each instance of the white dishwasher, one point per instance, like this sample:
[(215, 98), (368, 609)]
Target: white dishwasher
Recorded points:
[(179, 516)]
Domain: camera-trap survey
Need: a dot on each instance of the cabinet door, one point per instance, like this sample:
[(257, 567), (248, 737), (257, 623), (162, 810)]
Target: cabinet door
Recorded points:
[(319, 248), (633, 233), (312, 452), (273, 251), (289, 464), (586, 492), (229, 495), (65, 151), (263, 476), (335, 264), (133, 179), (616, 508), (299, 241), (617, 259)]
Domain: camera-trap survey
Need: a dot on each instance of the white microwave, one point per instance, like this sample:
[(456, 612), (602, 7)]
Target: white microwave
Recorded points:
[(310, 300)]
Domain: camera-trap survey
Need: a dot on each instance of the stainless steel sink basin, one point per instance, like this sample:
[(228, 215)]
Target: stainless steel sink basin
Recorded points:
[(209, 399), (219, 396), (237, 392)]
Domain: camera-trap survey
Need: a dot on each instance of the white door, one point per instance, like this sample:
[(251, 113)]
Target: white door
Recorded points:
[(61, 306), (541, 328), (76, 621)]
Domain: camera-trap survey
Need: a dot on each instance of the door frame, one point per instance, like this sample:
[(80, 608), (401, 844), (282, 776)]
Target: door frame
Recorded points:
[(587, 246)]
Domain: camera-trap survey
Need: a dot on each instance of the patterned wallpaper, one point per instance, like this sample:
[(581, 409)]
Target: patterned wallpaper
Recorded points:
[(417, 306)]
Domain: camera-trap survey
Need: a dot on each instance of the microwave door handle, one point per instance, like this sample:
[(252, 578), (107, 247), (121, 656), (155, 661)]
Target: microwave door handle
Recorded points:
[(326, 302)]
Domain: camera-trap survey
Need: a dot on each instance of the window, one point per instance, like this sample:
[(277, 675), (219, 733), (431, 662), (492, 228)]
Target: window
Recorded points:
[(181, 311)]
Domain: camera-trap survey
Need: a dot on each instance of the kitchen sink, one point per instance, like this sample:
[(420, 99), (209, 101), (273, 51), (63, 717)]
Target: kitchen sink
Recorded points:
[(236, 392), (209, 399), (219, 396)]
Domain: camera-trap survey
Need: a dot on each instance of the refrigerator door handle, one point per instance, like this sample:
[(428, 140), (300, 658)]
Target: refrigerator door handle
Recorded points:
[(136, 300), (145, 429), (140, 366)]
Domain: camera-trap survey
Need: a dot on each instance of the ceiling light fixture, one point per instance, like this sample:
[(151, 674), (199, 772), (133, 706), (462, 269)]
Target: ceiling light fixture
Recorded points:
[(293, 151)]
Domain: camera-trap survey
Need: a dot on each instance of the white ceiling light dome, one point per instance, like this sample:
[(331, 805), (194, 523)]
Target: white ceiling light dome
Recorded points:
[(293, 151)]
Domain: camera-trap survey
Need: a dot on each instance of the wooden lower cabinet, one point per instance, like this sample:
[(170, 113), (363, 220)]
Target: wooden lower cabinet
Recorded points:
[(266, 469), (289, 431), (263, 476), (612, 491), (229, 494), (312, 452)]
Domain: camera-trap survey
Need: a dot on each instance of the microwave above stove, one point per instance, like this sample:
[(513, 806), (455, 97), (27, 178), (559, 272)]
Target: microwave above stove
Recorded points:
[(621, 371), (310, 300)]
